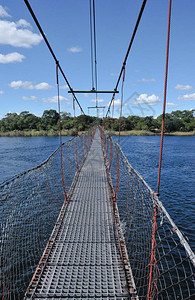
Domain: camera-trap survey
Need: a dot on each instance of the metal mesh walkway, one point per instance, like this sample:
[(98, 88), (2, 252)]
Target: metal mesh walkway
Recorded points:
[(82, 259)]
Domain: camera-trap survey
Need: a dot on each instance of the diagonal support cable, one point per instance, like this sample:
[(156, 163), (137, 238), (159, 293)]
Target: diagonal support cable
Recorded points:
[(51, 51)]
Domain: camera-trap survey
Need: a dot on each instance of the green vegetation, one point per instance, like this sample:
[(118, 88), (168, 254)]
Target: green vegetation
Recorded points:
[(27, 124), (182, 121)]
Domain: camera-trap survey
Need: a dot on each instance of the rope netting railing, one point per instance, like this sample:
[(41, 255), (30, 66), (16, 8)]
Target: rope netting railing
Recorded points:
[(29, 206), (161, 259)]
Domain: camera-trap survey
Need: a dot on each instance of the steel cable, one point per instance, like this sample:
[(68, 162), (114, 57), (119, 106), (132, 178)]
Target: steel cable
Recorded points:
[(165, 95), (128, 50), (51, 51)]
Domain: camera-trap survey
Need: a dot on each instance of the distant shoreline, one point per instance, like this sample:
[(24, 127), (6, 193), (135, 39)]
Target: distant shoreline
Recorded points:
[(150, 133), (42, 133)]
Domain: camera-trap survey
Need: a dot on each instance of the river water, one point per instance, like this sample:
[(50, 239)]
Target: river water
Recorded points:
[(177, 188)]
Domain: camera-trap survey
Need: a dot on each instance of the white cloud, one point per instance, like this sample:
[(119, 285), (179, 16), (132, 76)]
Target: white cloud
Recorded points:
[(43, 86), (116, 102), (31, 98), (75, 49), (187, 97), (23, 23), (64, 87), (171, 104), (182, 87), (148, 100), (147, 80), (54, 99), (1, 92), (99, 100), (11, 58), (16, 34), (3, 12), (27, 85)]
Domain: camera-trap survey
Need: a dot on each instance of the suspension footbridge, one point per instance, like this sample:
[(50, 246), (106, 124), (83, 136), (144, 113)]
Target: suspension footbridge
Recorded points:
[(84, 224), (82, 258), (109, 238)]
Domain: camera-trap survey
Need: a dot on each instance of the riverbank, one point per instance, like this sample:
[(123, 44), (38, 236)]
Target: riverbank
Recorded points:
[(52, 133), (150, 133), (35, 133)]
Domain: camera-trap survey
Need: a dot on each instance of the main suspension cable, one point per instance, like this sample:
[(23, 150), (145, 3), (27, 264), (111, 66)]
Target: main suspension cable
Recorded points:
[(128, 50), (93, 49), (95, 45), (51, 51), (91, 38)]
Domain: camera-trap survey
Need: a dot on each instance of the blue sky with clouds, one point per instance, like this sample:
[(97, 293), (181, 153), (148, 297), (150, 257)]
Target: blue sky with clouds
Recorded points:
[(28, 71)]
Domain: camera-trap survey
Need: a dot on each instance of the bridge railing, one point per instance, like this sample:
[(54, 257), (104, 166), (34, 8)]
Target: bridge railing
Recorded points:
[(160, 257), (29, 206)]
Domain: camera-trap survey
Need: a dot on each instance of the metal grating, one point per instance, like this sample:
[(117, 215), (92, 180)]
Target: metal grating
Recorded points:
[(84, 260)]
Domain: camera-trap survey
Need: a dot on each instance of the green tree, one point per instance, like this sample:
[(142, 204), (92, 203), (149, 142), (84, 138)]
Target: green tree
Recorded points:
[(27, 121), (65, 116), (171, 123), (49, 119), (10, 122)]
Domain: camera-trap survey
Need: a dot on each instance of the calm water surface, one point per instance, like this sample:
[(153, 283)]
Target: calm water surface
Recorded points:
[(177, 187), (18, 154), (178, 168)]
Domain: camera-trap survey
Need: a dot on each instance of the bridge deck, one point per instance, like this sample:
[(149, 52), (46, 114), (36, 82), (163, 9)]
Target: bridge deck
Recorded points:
[(82, 259)]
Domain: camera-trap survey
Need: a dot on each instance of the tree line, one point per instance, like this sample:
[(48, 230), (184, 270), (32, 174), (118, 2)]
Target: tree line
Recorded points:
[(183, 121)]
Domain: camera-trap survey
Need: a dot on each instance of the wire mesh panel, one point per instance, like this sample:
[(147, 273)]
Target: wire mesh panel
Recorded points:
[(160, 257), (29, 206)]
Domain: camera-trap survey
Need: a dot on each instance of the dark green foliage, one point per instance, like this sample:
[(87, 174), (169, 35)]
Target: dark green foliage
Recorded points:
[(49, 119), (22, 121), (183, 121), (179, 121)]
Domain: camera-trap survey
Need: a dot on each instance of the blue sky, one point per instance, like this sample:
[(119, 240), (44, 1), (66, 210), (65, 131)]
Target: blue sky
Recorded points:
[(28, 71)]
